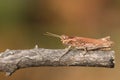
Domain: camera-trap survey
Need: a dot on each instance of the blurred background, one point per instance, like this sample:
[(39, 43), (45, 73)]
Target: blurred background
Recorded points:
[(23, 23)]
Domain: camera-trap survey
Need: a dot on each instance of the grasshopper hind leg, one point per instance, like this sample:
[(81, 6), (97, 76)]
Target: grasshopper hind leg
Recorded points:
[(105, 49)]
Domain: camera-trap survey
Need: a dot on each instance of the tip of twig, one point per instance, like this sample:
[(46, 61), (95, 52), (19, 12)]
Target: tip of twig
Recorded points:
[(36, 46), (7, 50), (8, 73)]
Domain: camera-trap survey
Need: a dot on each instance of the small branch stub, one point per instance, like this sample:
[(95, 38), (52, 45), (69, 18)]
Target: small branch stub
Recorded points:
[(12, 60)]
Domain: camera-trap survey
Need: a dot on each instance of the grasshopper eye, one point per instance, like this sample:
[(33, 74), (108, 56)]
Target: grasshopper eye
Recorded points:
[(64, 37)]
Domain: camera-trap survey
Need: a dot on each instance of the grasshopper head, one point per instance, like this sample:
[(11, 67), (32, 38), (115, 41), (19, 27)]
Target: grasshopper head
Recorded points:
[(65, 39)]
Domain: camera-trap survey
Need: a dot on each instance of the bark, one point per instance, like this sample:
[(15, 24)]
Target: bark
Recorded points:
[(12, 60)]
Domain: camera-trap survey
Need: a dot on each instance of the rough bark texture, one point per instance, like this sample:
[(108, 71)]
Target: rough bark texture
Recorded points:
[(12, 60)]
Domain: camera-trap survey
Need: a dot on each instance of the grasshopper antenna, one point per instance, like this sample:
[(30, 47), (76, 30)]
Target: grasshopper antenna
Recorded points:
[(51, 34)]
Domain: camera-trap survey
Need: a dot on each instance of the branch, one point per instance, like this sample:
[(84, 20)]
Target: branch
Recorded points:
[(12, 60)]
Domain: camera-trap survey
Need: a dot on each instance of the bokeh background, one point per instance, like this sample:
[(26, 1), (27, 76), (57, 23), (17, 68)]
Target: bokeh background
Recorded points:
[(23, 23)]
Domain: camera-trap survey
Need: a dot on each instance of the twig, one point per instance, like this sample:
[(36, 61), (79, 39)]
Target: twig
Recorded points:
[(12, 60)]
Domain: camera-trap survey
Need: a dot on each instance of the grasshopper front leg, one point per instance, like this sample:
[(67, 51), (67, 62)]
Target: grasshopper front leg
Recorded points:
[(67, 50)]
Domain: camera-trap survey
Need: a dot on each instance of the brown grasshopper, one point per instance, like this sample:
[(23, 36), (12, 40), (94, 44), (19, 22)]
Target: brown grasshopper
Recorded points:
[(83, 43)]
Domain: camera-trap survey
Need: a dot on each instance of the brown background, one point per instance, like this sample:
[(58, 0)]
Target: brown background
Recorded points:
[(23, 23)]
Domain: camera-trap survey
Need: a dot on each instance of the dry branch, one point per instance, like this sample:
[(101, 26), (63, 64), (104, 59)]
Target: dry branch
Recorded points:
[(12, 60)]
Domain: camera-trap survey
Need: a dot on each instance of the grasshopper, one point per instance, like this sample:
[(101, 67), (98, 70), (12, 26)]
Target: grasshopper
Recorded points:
[(83, 43)]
